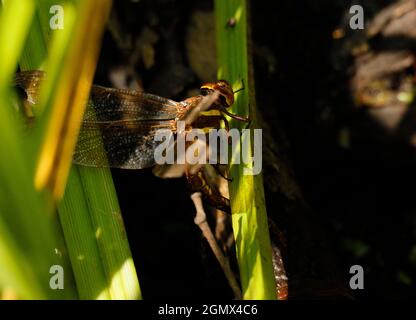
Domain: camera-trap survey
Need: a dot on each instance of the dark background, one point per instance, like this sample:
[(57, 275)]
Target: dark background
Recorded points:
[(358, 196)]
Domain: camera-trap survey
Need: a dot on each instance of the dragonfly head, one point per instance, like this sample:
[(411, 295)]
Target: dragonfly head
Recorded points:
[(226, 94)]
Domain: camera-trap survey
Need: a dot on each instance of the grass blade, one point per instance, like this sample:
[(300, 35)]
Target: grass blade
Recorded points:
[(28, 231), (81, 237), (98, 249), (246, 191)]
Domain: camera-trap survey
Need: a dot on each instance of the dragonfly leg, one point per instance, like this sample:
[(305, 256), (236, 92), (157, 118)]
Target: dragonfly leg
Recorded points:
[(234, 116), (218, 170), (242, 87)]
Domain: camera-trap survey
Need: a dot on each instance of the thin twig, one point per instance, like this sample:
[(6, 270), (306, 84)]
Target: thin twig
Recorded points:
[(201, 221)]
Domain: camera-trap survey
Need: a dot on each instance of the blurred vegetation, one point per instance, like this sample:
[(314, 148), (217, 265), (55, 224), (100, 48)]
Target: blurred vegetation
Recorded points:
[(93, 230)]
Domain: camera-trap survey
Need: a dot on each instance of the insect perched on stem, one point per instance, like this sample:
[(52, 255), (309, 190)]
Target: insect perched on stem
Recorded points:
[(125, 122)]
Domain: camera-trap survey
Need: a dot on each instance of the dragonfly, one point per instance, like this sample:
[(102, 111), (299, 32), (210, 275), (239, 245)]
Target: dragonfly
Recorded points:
[(125, 123)]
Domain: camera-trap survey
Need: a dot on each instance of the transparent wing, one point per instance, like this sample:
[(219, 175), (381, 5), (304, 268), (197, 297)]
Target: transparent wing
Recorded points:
[(108, 104), (127, 144), (124, 122)]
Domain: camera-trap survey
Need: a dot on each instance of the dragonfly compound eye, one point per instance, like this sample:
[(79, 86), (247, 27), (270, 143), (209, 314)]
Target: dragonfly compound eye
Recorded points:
[(226, 95), (205, 91)]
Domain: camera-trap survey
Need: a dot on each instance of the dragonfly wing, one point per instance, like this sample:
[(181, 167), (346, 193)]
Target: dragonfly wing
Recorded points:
[(125, 145), (30, 82), (123, 123), (108, 104)]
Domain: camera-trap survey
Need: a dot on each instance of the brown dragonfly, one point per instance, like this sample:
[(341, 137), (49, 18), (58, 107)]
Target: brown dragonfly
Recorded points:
[(125, 122)]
